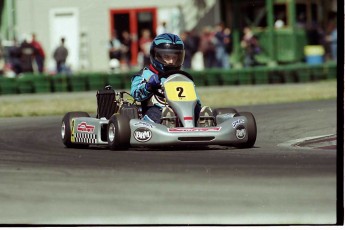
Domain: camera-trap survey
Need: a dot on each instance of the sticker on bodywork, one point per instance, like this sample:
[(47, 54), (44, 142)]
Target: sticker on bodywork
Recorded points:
[(142, 134), (180, 91), (85, 128), (196, 129), (142, 123), (237, 122), (72, 131), (241, 132)]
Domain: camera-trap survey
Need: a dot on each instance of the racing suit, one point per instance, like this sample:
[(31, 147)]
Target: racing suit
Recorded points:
[(151, 104)]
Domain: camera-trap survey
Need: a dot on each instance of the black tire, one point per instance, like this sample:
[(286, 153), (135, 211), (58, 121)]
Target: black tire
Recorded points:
[(251, 130), (119, 132), (66, 129)]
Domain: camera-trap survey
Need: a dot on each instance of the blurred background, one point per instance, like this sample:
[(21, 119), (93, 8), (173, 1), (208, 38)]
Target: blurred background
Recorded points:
[(114, 36)]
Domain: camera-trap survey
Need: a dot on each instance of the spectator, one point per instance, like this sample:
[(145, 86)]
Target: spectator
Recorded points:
[(2, 58), (190, 49), (14, 54), (315, 34), (332, 40), (251, 47), (60, 56), (38, 53), (301, 21), (27, 52), (126, 43), (162, 28), (144, 45), (222, 41), (114, 47), (228, 45), (207, 47)]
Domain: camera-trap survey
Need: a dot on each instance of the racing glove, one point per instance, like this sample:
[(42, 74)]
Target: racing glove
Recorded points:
[(153, 83)]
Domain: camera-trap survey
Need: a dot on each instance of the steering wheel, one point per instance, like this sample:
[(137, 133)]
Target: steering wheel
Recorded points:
[(171, 72)]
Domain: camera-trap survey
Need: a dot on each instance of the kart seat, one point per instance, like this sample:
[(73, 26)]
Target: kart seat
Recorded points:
[(106, 104)]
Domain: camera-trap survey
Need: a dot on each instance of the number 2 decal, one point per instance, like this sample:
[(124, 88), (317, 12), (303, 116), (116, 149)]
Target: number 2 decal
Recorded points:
[(180, 91)]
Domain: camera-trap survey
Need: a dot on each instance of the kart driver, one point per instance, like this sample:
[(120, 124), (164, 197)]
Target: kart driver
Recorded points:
[(166, 54)]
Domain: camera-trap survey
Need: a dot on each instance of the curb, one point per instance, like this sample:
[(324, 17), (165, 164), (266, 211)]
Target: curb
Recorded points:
[(328, 142)]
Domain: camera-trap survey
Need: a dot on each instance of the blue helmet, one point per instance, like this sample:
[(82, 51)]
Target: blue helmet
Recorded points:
[(167, 52)]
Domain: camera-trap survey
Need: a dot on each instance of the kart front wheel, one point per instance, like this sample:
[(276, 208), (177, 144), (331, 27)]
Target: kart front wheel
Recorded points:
[(251, 130), (66, 126), (119, 132), (220, 111)]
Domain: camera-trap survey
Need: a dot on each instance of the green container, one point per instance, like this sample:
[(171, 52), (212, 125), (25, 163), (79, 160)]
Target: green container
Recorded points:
[(59, 83), (229, 77), (126, 80), (245, 76), (77, 83), (8, 85), (212, 77), (288, 43), (290, 74), (198, 78), (96, 81), (303, 73), (41, 84), (331, 70), (277, 74), (127, 85), (318, 72), (25, 84), (116, 81), (261, 75)]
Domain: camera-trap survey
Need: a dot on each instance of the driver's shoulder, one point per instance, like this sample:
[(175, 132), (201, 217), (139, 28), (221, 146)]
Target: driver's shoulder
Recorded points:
[(143, 73), (146, 73)]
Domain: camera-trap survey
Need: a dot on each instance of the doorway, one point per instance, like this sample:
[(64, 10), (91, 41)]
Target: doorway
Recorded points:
[(64, 23), (134, 21)]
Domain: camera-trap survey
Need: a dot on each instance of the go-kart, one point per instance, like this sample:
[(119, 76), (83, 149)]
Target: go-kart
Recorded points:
[(119, 123)]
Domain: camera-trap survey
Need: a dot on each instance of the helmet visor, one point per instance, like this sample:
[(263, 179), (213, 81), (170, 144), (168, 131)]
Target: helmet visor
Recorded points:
[(169, 57)]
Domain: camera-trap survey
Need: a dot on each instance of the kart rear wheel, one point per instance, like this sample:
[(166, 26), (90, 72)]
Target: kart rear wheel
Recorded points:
[(66, 129), (119, 132), (250, 132)]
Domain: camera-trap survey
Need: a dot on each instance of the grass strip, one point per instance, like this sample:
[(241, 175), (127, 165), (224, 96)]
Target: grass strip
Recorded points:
[(22, 105)]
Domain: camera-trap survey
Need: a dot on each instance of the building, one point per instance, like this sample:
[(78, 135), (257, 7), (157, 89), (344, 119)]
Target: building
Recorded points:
[(88, 25)]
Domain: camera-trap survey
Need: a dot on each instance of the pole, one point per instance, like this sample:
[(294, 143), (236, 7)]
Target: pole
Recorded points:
[(236, 33), (270, 30)]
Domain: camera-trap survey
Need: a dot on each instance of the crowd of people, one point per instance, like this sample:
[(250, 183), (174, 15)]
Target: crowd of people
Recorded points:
[(212, 46), (209, 48), (28, 56)]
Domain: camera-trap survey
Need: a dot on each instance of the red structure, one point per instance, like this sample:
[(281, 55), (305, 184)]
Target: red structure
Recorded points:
[(134, 21)]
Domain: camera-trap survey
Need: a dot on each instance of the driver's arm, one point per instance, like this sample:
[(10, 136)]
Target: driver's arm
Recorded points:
[(138, 89)]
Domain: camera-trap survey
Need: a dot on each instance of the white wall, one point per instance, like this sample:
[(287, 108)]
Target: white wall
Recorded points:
[(64, 23), (93, 22)]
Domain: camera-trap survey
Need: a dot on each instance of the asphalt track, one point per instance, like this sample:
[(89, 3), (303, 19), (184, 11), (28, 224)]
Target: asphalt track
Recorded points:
[(44, 183)]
